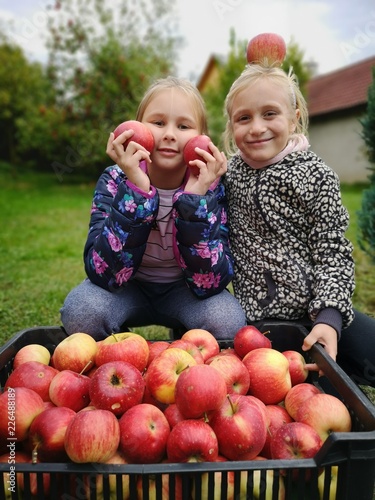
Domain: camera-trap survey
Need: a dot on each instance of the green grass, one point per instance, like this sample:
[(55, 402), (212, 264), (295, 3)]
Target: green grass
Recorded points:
[(43, 231)]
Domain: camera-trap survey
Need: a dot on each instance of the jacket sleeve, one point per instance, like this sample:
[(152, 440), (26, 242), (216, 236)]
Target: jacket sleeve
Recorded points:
[(333, 283), (202, 245), (120, 223)]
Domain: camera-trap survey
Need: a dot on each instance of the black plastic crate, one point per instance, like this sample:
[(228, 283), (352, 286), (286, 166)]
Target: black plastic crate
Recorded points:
[(352, 454)]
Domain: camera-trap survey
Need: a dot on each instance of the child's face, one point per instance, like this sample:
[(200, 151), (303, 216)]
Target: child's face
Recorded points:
[(262, 120), (170, 117)]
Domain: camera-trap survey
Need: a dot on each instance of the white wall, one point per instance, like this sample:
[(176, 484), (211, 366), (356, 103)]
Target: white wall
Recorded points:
[(338, 142)]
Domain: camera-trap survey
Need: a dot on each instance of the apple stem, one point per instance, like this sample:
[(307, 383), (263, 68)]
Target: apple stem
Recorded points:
[(34, 455), (230, 402), (114, 336), (86, 366), (267, 332), (183, 369)]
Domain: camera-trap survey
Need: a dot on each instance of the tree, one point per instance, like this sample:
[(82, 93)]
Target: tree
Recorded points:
[(102, 56), (24, 89), (366, 216), (231, 68)]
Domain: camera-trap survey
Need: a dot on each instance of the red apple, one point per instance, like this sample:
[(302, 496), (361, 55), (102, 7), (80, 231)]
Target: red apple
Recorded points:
[(116, 386), (200, 389), (33, 375), (76, 352), (297, 367), (115, 486), (149, 398), (326, 414), (173, 415), (163, 373), (277, 417), (192, 441), (199, 141), (204, 340), (144, 432), (266, 48), (155, 348), (47, 433), (92, 436), (249, 338), (21, 405), (235, 373), (70, 389), (269, 374), (126, 346), (142, 135), (189, 347), (297, 395), (295, 440), (240, 427), (32, 352)]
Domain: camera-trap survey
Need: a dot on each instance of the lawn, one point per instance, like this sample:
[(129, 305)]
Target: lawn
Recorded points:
[(41, 243)]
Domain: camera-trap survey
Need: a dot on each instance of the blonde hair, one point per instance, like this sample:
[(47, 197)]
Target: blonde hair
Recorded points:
[(253, 73), (183, 85)]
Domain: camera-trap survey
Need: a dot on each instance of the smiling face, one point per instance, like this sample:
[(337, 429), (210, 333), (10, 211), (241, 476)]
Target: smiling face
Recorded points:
[(262, 120), (171, 118)]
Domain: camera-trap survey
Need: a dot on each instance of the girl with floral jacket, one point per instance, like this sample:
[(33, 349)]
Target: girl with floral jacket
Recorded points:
[(157, 250)]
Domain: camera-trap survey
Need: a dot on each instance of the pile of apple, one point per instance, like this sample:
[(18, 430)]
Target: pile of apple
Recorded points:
[(128, 400)]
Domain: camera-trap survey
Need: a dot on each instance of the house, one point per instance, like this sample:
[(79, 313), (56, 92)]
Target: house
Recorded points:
[(336, 102)]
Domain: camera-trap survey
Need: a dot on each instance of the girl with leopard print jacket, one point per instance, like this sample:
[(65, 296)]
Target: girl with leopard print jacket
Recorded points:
[(287, 223)]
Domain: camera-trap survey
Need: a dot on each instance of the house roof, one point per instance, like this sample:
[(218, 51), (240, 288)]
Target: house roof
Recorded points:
[(341, 89)]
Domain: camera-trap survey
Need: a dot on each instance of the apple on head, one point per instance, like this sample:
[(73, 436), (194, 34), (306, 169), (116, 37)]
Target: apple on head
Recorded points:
[(142, 135), (200, 389), (266, 48)]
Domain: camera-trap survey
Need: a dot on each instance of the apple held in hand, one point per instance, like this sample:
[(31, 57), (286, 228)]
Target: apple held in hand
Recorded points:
[(162, 374), (200, 389), (144, 432), (326, 414), (268, 49), (192, 441), (297, 367), (33, 375), (199, 141), (116, 386), (240, 427), (269, 374), (21, 405), (297, 395), (32, 352), (70, 389), (126, 346), (235, 373), (249, 338), (204, 340), (92, 436), (47, 434), (76, 352), (142, 135)]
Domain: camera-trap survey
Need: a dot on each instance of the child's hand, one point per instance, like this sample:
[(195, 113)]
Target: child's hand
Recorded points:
[(128, 159), (325, 335), (211, 167)]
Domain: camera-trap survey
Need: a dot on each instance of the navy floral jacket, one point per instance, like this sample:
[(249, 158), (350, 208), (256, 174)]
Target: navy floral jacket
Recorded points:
[(121, 220)]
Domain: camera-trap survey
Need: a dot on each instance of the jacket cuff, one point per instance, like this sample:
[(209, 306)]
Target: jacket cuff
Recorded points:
[(331, 317)]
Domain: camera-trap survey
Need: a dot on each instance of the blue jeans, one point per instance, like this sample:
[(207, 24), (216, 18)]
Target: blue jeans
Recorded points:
[(93, 310)]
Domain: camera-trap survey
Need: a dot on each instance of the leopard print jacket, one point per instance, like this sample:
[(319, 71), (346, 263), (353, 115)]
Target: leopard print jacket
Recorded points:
[(287, 227)]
